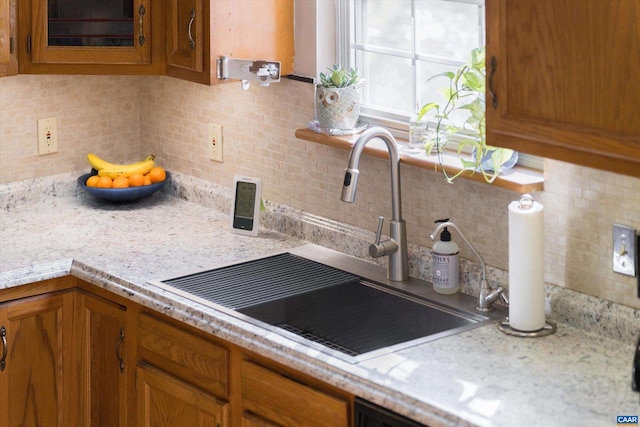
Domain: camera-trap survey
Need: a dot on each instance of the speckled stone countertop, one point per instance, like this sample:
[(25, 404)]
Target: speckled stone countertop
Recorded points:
[(579, 376)]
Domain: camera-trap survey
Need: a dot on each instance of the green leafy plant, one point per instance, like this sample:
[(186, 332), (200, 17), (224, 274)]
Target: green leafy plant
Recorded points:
[(465, 91), (339, 77)]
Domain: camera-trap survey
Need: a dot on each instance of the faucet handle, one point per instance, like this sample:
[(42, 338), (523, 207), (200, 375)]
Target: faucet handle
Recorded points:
[(384, 248), (379, 232)]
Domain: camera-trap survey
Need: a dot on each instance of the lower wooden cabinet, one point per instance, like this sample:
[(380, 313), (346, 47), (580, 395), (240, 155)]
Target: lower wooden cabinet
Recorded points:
[(166, 401), (37, 342), (75, 355), (274, 399), (105, 377)]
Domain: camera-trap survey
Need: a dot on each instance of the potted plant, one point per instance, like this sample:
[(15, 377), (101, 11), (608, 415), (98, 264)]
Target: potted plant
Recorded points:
[(466, 92), (338, 99)]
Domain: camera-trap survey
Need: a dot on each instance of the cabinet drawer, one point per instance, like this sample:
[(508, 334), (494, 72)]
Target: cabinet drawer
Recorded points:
[(287, 402), (185, 355)]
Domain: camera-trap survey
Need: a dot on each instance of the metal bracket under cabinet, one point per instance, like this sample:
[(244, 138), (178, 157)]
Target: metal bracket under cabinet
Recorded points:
[(263, 72)]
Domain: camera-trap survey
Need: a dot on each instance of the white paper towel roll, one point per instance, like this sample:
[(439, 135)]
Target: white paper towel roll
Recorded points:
[(526, 265)]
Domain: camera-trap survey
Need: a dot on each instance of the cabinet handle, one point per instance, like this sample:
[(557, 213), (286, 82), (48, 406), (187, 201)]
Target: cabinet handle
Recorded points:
[(3, 335), (494, 97), (192, 42), (141, 11), (118, 344)]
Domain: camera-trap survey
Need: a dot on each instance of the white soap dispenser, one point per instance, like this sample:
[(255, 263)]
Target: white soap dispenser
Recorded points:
[(446, 271)]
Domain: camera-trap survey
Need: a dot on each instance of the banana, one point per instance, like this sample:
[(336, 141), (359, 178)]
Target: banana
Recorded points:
[(114, 171), (99, 164)]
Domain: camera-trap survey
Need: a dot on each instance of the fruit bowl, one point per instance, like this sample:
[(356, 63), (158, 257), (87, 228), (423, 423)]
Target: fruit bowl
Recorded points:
[(130, 194)]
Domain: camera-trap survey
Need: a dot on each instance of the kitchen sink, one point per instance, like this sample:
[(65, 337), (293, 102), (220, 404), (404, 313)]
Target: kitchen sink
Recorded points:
[(332, 302)]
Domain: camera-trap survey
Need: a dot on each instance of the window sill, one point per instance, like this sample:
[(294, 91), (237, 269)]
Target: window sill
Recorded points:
[(519, 179)]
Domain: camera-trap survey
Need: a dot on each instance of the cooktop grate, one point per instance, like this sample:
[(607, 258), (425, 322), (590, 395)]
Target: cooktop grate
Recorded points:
[(262, 280)]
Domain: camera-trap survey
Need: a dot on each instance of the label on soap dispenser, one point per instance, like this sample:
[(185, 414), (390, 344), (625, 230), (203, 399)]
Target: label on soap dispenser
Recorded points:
[(446, 273)]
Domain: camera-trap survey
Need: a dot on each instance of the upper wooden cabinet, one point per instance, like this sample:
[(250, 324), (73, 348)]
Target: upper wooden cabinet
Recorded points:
[(8, 38), (199, 31), (91, 37), (562, 80)]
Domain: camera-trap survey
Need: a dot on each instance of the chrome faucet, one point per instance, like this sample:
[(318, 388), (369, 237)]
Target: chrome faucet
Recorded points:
[(396, 246), (487, 296)]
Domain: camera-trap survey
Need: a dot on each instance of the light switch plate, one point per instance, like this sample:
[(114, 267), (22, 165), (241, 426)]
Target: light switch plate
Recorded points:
[(625, 250)]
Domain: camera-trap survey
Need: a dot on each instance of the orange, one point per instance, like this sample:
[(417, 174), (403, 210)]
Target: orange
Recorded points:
[(136, 180), (104, 182), (157, 174), (147, 180), (92, 181), (121, 182)]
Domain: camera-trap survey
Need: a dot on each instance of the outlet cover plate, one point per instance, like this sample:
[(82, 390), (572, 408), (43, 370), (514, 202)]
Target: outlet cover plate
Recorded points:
[(47, 136), (625, 250), (215, 142)]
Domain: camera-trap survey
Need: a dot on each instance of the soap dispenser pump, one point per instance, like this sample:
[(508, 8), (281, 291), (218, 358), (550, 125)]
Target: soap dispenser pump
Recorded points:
[(446, 271)]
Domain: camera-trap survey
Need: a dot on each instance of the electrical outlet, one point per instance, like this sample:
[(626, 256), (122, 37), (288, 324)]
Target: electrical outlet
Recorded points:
[(215, 142), (47, 136), (624, 250)]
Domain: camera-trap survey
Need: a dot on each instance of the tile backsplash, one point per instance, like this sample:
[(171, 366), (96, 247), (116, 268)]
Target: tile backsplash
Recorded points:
[(125, 117)]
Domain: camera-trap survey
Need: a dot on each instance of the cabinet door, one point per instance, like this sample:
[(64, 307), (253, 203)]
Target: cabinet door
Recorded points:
[(164, 400), (192, 358), (185, 41), (102, 349), (272, 397), (81, 37), (38, 337), (564, 75), (8, 38)]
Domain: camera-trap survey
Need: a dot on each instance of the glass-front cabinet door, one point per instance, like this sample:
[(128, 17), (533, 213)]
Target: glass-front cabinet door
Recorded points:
[(87, 32)]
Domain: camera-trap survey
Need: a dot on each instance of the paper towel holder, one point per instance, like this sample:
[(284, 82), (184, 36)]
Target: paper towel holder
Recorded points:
[(548, 329), (526, 203)]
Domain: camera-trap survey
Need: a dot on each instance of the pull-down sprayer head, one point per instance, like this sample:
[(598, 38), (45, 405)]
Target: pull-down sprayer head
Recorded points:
[(349, 185)]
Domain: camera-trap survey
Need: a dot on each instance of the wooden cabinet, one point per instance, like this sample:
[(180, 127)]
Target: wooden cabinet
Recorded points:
[(269, 398), (105, 377), (199, 31), (186, 377), (76, 37), (183, 379), (564, 74), (164, 400), (37, 343), (79, 355), (8, 38)]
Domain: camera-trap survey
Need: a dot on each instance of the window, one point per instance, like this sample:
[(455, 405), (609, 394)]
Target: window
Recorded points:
[(398, 45)]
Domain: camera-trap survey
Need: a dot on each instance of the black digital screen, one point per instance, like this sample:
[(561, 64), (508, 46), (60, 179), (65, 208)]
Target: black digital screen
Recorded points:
[(244, 206)]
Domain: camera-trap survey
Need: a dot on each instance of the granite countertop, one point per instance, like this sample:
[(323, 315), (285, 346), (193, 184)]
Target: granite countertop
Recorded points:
[(50, 228)]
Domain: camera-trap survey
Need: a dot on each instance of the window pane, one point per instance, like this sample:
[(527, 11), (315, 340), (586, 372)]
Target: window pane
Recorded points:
[(388, 82), (447, 29), (385, 23)]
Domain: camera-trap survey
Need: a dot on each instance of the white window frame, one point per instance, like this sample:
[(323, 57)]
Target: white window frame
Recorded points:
[(397, 124)]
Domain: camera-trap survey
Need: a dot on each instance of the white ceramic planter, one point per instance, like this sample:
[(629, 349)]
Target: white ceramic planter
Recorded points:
[(337, 108)]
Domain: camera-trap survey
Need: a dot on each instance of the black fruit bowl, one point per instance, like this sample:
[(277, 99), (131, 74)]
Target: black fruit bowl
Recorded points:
[(119, 195)]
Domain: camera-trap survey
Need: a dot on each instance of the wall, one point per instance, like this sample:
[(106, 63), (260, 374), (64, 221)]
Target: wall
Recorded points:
[(93, 113), (125, 117)]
